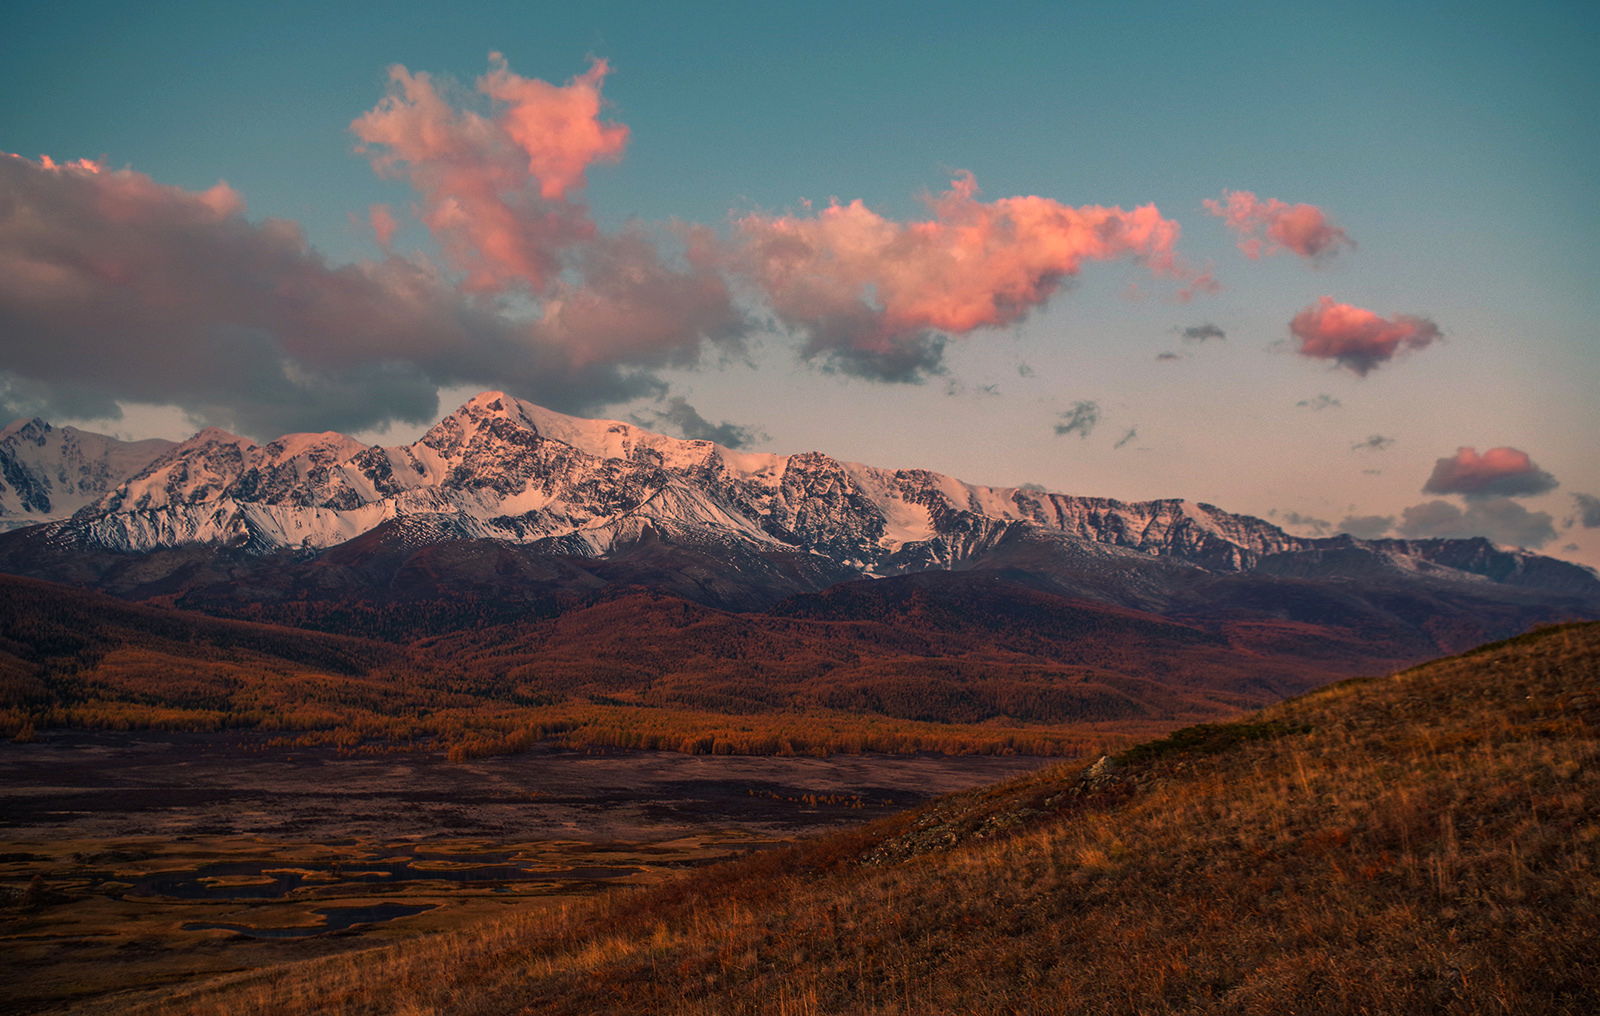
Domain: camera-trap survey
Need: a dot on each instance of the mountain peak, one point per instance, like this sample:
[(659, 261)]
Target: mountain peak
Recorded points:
[(216, 436), (28, 428)]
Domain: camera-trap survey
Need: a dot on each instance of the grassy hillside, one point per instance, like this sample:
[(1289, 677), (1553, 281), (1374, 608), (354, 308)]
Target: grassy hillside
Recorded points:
[(1421, 843)]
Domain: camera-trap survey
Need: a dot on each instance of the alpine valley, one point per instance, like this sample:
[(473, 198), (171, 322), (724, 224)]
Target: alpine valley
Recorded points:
[(518, 538)]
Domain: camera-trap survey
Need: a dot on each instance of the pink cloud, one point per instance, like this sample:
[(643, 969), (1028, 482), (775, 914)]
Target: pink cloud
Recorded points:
[(1357, 338), (559, 128), (481, 199), (498, 195), (1498, 472), (1301, 229), (383, 225), (869, 291)]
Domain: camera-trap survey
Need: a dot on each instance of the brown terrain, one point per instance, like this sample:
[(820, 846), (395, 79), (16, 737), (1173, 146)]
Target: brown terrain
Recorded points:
[(1424, 842)]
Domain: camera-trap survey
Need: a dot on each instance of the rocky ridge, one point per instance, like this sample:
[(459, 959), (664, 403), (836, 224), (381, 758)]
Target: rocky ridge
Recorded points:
[(504, 470)]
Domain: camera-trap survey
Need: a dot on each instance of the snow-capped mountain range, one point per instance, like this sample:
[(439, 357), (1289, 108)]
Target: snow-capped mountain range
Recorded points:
[(503, 469)]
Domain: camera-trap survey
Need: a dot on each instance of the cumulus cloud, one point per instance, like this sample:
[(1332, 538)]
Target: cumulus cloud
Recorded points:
[(1080, 419), (1372, 443), (875, 297), (1499, 519), (1498, 472), (1366, 527), (1273, 226), (1323, 401), (115, 288), (1355, 337), (498, 195), (681, 417), (1588, 511), (1200, 333)]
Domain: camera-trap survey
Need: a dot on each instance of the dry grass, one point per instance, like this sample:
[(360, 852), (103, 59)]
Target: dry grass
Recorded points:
[(1422, 843)]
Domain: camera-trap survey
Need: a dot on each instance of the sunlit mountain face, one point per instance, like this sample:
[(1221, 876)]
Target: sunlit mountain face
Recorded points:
[(513, 502)]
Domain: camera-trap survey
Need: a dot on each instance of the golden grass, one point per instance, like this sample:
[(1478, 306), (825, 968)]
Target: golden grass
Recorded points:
[(1428, 845)]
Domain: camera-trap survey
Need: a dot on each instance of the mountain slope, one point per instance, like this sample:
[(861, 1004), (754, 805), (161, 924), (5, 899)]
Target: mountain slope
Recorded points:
[(47, 473), (1421, 843)]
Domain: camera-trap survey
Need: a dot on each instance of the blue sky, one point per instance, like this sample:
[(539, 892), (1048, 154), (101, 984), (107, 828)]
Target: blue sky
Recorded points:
[(1456, 144)]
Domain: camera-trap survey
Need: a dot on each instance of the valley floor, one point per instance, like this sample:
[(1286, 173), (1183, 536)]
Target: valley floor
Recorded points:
[(117, 849)]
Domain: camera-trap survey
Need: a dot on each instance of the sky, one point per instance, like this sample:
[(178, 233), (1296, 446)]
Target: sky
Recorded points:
[(1331, 265)]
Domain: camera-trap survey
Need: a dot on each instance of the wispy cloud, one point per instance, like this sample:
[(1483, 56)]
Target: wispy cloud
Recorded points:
[(1323, 401), (1273, 226), (1366, 527), (1588, 514), (1133, 433), (1200, 333), (1318, 527), (683, 418), (1355, 337), (1080, 419), (1372, 443)]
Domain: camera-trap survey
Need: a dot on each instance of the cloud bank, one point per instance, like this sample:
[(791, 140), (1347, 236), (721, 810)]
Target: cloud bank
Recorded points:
[(1273, 227), (874, 297), (1357, 338), (1498, 472), (1499, 519), (116, 288)]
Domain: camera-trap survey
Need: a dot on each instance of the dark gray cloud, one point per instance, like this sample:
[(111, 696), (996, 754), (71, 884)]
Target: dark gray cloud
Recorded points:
[(953, 388), (1133, 432), (1320, 402), (114, 288), (1588, 511), (1024, 370), (1200, 333), (835, 345), (1035, 487), (1080, 419), (1366, 527), (681, 417), (1318, 527), (1168, 356), (1499, 519), (1372, 443), (1498, 472)]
